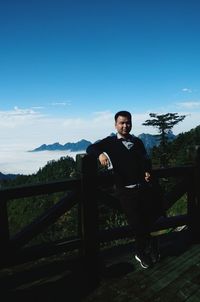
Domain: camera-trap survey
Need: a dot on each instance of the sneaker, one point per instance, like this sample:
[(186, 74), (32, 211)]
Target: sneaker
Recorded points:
[(145, 260)]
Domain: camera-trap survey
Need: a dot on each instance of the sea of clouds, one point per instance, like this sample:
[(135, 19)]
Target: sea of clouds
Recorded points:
[(25, 129), (24, 162)]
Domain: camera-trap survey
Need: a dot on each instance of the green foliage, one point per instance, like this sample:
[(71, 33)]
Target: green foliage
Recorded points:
[(65, 167), (181, 151), (180, 207), (164, 123), (22, 212), (54, 170), (110, 218)]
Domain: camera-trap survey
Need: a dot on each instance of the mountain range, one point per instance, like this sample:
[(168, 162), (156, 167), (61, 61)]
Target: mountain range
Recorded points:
[(73, 147), (149, 141), (7, 176)]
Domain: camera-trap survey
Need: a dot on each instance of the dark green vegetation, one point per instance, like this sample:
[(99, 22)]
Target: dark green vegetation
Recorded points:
[(181, 151), (164, 123), (21, 212)]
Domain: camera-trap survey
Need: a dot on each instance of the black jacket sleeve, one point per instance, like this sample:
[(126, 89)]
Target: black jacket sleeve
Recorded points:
[(99, 147)]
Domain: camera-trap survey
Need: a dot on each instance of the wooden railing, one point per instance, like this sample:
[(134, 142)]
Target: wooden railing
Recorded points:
[(88, 190)]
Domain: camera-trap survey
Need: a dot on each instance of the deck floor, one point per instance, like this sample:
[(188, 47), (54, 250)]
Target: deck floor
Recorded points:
[(175, 278)]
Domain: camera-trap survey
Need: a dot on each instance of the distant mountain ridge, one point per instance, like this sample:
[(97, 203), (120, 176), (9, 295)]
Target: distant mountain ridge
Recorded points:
[(149, 141), (7, 176), (73, 147)]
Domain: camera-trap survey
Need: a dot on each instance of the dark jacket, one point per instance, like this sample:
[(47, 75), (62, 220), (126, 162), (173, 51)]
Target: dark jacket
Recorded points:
[(129, 165)]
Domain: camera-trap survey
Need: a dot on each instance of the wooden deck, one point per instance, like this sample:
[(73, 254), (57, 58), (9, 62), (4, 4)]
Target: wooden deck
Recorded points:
[(175, 278)]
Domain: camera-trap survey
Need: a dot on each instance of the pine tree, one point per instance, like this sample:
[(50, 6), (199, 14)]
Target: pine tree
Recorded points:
[(164, 123)]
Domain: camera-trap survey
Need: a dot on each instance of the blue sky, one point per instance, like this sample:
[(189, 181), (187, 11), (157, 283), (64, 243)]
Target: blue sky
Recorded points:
[(68, 66)]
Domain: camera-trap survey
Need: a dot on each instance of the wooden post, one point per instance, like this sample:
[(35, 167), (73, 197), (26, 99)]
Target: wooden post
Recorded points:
[(4, 227), (87, 167), (197, 193), (194, 200)]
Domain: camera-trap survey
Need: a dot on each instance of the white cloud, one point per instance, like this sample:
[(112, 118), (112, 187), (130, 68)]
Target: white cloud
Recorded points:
[(26, 129), (103, 115), (189, 105), (29, 128), (28, 162), (64, 103), (191, 120), (37, 107), (17, 116), (188, 90), (16, 111)]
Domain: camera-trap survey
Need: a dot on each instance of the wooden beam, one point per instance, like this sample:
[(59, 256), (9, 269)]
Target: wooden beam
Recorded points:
[(43, 221)]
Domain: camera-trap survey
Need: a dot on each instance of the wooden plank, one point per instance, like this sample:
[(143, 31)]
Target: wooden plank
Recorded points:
[(38, 189), (36, 252), (179, 286), (40, 223), (195, 297), (173, 279)]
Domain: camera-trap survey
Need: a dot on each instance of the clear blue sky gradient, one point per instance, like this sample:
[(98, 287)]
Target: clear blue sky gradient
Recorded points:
[(66, 67), (98, 55)]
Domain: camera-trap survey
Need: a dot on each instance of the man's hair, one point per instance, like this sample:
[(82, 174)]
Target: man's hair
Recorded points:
[(122, 113)]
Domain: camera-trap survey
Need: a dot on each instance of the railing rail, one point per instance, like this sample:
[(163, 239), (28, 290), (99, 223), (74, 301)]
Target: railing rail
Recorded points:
[(86, 191)]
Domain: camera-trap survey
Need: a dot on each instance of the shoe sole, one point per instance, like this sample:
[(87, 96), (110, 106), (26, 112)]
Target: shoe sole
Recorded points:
[(142, 265)]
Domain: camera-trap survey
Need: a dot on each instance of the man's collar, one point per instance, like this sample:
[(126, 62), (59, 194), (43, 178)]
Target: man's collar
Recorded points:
[(122, 138)]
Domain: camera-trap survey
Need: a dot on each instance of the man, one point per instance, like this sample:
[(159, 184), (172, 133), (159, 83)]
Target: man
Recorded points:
[(127, 156)]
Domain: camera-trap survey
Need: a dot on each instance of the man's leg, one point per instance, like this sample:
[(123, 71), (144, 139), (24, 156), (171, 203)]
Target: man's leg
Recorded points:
[(143, 250), (151, 202), (131, 205)]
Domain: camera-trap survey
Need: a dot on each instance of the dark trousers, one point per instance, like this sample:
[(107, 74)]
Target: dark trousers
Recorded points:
[(142, 208)]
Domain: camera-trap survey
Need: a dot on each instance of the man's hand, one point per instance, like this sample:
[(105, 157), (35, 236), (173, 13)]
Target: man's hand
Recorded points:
[(147, 176), (104, 160)]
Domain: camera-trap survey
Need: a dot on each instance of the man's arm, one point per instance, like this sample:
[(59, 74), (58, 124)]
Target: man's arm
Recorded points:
[(98, 150), (104, 160)]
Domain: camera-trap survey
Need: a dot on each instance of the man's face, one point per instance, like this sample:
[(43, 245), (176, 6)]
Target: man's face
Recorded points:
[(123, 125)]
